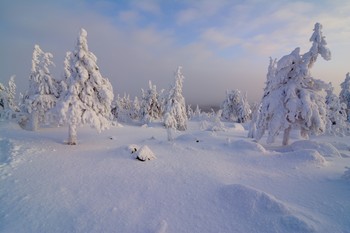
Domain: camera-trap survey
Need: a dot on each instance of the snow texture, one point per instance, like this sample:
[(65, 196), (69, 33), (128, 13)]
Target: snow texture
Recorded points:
[(264, 211), (202, 181)]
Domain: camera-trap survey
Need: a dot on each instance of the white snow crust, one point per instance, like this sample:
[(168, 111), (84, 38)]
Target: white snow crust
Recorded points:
[(201, 181)]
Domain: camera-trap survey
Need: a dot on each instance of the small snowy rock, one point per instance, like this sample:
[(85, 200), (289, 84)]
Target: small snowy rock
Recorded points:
[(132, 148), (145, 153)]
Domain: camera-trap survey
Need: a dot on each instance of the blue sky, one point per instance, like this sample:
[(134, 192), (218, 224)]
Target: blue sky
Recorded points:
[(221, 44)]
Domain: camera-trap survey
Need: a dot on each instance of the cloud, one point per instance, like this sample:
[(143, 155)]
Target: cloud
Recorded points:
[(129, 16), (217, 42), (147, 6), (220, 38)]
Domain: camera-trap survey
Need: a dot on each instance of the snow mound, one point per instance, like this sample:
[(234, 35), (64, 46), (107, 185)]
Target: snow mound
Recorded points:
[(145, 153), (324, 148), (260, 210), (237, 127), (248, 145), (305, 155)]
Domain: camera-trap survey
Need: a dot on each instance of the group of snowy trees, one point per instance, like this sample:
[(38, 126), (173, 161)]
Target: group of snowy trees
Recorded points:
[(8, 106), (293, 99), (84, 96)]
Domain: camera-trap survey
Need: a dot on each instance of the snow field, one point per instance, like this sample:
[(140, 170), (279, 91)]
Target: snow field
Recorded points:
[(203, 181)]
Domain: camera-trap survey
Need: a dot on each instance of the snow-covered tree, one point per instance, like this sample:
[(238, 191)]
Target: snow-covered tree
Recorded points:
[(252, 125), (63, 86), (344, 94), (8, 106), (336, 112), (43, 90), (175, 114), (293, 99), (123, 109), (89, 95), (150, 109), (235, 107), (135, 110), (256, 110)]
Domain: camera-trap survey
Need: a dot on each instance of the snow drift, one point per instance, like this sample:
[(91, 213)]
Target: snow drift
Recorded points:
[(262, 212)]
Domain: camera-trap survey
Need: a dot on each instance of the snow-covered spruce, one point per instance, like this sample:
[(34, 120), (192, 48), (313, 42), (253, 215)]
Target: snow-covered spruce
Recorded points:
[(336, 112), (344, 94), (236, 107), (88, 97), (125, 110), (8, 106), (150, 109), (175, 117), (293, 98), (43, 91)]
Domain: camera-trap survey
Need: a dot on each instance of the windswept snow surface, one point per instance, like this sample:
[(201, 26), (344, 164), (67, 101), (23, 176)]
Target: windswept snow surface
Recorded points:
[(202, 181)]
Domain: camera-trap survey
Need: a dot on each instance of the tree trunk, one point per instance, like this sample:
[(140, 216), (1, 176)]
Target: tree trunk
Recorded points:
[(286, 136), (72, 134)]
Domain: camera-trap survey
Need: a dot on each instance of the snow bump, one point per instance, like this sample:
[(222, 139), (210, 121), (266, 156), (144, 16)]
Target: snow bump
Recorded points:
[(323, 148), (257, 209), (248, 145)]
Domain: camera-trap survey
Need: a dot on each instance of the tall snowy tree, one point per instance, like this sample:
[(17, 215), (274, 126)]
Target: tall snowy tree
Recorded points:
[(8, 106), (150, 109), (293, 99), (43, 90), (344, 94), (89, 96), (175, 114), (336, 112), (236, 107)]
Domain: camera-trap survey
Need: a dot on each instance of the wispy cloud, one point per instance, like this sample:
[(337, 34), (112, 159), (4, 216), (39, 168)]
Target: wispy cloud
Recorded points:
[(137, 41)]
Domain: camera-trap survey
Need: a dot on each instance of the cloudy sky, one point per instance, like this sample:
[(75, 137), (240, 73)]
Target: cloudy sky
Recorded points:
[(221, 44)]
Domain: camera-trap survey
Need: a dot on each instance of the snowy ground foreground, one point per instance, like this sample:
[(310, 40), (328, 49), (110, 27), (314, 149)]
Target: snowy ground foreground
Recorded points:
[(202, 182)]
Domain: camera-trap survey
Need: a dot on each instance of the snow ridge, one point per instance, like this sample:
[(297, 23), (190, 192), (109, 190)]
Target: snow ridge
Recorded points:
[(264, 211)]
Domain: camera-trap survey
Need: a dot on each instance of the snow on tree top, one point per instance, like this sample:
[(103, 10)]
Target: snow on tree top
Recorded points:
[(289, 59), (83, 32)]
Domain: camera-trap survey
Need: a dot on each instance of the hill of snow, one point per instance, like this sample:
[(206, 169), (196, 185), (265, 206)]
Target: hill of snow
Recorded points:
[(203, 181)]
